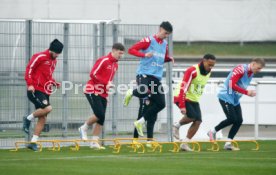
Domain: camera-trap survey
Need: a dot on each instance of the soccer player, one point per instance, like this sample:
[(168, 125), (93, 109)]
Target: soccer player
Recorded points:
[(191, 89), (229, 98), (153, 51), (39, 81), (96, 91)]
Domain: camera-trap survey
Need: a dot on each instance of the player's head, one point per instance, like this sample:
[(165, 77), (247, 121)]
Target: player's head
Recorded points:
[(209, 62), (257, 64), (55, 48), (165, 29), (118, 50)]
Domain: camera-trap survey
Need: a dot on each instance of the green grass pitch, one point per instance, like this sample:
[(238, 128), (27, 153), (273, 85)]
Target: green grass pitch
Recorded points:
[(104, 162)]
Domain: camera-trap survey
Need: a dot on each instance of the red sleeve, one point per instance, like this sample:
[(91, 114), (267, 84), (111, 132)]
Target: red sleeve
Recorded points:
[(185, 84), (55, 83), (167, 57), (52, 78), (141, 45), (238, 72), (31, 67)]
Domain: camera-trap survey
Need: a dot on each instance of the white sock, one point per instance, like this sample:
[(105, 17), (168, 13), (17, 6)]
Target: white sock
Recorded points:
[(228, 143), (214, 130), (177, 124), (141, 120), (30, 117), (186, 139), (35, 138), (85, 126), (95, 137)]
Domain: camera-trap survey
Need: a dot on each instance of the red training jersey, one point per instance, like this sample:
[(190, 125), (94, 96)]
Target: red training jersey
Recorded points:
[(101, 75), (39, 72)]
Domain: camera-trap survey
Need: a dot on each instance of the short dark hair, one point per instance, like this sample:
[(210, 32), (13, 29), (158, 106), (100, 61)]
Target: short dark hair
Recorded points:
[(118, 46), (209, 57), (167, 26), (260, 61)]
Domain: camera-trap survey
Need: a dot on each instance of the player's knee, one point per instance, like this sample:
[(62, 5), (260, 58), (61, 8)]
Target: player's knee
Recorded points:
[(100, 122), (197, 122), (48, 109), (151, 120), (101, 119), (231, 120), (162, 105), (238, 122), (241, 121)]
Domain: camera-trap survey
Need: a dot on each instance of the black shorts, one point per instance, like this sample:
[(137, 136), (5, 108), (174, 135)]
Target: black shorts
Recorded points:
[(98, 105), (192, 110), (39, 99)]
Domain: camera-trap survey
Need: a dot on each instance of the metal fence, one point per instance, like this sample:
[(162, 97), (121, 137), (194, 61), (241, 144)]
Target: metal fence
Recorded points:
[(83, 42)]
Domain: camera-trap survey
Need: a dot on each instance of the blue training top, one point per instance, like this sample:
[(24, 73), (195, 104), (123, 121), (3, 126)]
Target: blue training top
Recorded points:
[(153, 65), (228, 95)]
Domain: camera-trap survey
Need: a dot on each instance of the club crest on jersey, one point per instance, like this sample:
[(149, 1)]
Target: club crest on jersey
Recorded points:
[(47, 62), (45, 102), (147, 102)]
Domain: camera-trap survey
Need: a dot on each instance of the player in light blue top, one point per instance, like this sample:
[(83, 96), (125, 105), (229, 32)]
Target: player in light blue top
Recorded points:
[(153, 53), (229, 97), (153, 65)]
